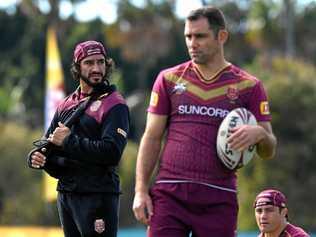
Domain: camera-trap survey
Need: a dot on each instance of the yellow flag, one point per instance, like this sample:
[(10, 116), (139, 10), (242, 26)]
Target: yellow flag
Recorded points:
[(54, 93)]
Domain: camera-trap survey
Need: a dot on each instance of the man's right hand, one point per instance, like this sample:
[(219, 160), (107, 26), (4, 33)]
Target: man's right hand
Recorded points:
[(143, 207), (38, 160)]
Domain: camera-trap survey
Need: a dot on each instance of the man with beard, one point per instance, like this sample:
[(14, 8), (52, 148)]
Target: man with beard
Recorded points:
[(88, 152), (272, 216), (193, 191)]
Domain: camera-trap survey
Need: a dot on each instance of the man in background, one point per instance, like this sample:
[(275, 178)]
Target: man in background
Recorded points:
[(86, 154), (272, 216)]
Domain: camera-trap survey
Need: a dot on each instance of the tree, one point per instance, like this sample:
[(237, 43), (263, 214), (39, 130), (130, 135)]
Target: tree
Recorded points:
[(148, 40), (305, 33), (142, 42), (20, 188), (289, 6), (293, 96)]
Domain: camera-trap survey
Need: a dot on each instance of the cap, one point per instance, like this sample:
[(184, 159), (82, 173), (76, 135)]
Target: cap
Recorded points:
[(88, 48), (272, 197)]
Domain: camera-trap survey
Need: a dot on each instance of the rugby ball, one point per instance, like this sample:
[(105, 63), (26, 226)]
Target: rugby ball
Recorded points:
[(233, 159)]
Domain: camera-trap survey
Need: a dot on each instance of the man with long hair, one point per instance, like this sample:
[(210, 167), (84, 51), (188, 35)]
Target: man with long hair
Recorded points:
[(86, 154)]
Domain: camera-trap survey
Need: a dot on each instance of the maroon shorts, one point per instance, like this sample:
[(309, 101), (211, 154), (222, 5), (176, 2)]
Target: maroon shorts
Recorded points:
[(184, 208)]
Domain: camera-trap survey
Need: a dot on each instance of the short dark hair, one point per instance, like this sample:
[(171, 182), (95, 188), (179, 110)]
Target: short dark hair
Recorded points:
[(214, 16)]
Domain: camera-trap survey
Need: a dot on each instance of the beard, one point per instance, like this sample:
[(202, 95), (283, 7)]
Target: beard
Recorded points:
[(91, 83)]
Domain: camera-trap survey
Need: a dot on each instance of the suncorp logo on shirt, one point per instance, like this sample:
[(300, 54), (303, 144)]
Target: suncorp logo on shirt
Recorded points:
[(202, 110)]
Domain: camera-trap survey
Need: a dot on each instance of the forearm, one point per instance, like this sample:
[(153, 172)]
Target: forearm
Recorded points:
[(104, 152), (107, 149), (266, 148), (148, 156)]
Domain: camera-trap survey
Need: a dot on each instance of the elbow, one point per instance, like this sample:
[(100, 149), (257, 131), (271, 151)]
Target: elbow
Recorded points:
[(116, 151), (115, 157), (267, 156), (112, 156), (268, 151), (107, 153)]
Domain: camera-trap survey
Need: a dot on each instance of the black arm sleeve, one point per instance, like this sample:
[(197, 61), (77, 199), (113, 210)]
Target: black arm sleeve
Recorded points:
[(54, 164), (53, 125), (107, 150)]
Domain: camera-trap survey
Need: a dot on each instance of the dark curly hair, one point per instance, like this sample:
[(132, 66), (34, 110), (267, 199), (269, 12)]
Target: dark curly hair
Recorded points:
[(109, 63)]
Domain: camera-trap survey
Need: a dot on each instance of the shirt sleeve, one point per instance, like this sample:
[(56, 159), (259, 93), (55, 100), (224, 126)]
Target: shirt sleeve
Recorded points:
[(259, 104), (54, 164), (109, 148), (159, 100), (53, 125)]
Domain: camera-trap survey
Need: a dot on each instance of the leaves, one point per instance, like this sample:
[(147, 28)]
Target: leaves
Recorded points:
[(293, 96), (142, 42)]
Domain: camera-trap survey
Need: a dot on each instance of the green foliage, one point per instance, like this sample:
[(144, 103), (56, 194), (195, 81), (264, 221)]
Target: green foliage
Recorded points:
[(264, 25), (143, 41), (5, 102), (127, 174), (20, 187), (305, 32), (292, 92), (22, 50)]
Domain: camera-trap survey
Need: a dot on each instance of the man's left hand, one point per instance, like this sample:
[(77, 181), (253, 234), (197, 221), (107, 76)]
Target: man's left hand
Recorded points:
[(244, 136)]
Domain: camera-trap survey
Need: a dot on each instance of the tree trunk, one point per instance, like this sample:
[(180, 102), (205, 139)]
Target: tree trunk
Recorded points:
[(289, 28)]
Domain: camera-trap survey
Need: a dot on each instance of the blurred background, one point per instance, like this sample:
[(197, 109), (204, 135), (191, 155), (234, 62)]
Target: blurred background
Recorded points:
[(272, 39)]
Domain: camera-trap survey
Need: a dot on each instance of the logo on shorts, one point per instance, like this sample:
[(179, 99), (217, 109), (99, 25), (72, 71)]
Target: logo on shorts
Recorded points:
[(95, 105), (99, 225)]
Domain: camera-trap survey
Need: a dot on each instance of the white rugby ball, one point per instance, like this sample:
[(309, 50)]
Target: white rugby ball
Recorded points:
[(233, 159)]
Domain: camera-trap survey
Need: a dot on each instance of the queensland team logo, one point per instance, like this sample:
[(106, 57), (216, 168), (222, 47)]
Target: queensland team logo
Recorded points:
[(232, 93), (179, 88), (99, 226), (95, 105)]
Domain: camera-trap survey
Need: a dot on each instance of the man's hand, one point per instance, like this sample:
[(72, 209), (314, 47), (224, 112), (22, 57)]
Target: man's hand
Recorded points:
[(143, 207), (244, 136), (58, 136), (38, 160)]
